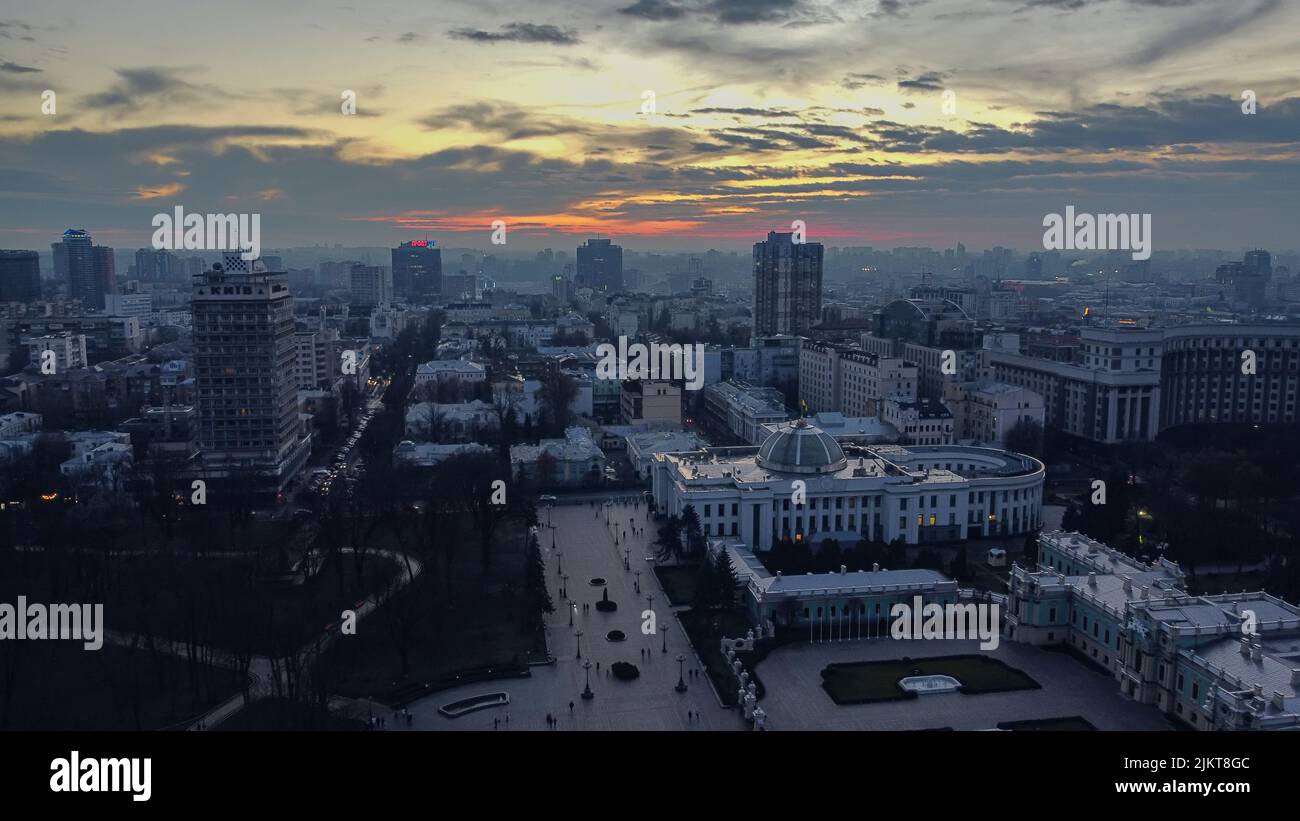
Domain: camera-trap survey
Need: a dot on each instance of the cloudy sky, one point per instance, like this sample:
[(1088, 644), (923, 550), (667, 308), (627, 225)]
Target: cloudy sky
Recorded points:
[(664, 123)]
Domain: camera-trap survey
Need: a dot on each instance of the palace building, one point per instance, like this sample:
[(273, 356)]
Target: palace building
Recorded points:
[(1214, 662), (803, 485)]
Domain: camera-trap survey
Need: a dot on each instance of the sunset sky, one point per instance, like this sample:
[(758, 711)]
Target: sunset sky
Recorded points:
[(765, 111)]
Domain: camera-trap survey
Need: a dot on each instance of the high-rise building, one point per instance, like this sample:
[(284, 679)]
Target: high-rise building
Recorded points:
[(103, 277), (600, 265), (153, 264), (417, 269), (87, 269), (787, 285), (20, 276), (372, 285), (244, 369)]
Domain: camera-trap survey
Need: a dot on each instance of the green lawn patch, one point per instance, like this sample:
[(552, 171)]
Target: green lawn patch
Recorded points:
[(864, 682)]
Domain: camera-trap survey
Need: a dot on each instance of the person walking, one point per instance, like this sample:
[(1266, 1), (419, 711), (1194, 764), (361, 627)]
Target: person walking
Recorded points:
[(570, 708)]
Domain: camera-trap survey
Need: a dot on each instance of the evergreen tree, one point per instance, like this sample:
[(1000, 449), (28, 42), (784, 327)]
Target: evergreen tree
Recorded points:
[(537, 596), (669, 543), (725, 580), (695, 541)]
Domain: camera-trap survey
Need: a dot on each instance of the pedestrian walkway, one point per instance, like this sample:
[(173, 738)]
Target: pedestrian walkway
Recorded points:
[(585, 549)]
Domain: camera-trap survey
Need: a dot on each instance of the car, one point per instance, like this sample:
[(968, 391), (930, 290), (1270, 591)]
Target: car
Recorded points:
[(547, 498)]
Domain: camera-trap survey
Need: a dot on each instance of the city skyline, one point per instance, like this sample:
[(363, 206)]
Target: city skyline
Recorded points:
[(763, 113)]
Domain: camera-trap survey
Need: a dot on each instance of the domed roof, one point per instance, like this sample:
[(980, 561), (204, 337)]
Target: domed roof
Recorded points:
[(798, 447)]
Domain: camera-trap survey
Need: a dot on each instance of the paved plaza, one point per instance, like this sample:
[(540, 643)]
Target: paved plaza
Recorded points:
[(796, 701), (585, 544), (584, 548)]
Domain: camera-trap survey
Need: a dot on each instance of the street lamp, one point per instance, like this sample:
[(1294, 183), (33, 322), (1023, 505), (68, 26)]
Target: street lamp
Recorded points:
[(681, 680), (572, 606), (559, 562), (638, 581), (666, 628), (564, 585), (587, 695), (579, 635)]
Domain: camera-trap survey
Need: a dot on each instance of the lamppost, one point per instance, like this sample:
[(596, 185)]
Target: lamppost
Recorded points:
[(627, 558), (681, 679), (587, 695), (579, 635), (638, 582), (650, 605), (1141, 515), (559, 562), (665, 629), (572, 607)]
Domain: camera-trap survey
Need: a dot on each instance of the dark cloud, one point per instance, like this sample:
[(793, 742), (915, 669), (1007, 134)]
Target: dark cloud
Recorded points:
[(15, 68), (519, 33), (855, 81), (654, 10), (770, 113), (929, 81), (137, 88), (1218, 23), (410, 37)]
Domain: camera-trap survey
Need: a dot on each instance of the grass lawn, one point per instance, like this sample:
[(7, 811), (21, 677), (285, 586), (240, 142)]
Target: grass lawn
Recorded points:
[(485, 626), (678, 581), (58, 685), (1063, 723), (863, 682), (282, 714)]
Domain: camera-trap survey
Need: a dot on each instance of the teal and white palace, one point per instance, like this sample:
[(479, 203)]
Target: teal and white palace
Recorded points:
[(1220, 662)]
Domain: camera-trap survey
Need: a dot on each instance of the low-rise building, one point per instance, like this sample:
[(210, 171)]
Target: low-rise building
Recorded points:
[(921, 422), (574, 461), (986, 411), (642, 447)]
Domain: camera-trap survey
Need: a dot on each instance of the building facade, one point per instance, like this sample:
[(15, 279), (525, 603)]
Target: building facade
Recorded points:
[(1212, 662), (246, 390), (787, 285), (918, 494)]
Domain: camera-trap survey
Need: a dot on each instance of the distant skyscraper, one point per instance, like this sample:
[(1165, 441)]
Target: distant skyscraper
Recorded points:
[(87, 269), (787, 285), (600, 265), (153, 264), (20, 276), (247, 392), (417, 269)]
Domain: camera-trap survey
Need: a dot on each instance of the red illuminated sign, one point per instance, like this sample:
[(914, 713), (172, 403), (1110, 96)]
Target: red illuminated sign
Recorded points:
[(419, 243)]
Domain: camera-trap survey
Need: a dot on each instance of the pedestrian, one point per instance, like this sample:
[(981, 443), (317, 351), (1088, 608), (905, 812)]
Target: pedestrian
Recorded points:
[(507, 719), (597, 667), (496, 723), (570, 708), (688, 716), (410, 720)]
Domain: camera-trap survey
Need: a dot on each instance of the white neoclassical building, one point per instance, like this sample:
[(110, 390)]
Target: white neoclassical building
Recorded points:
[(922, 493)]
